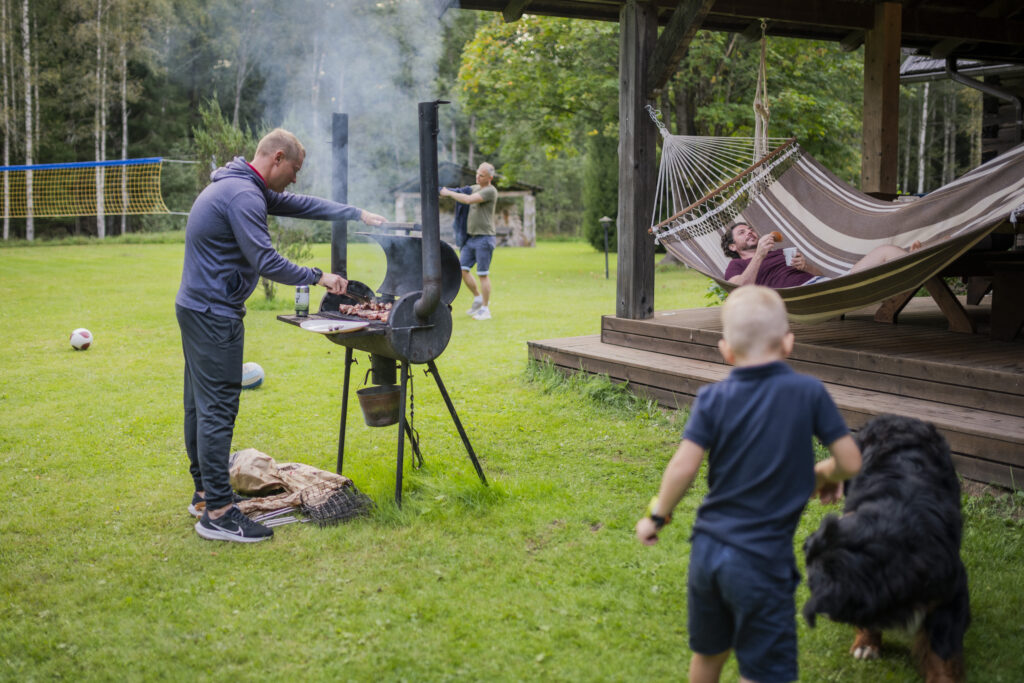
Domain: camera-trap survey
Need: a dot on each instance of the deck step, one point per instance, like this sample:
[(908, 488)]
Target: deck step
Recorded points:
[(987, 446), (933, 365)]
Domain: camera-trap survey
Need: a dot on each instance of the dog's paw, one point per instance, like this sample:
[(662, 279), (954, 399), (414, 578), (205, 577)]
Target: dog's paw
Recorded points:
[(867, 645), (866, 652)]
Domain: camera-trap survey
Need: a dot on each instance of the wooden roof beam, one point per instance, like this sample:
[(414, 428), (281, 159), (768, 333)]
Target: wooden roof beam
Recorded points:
[(852, 41), (674, 41), (999, 8), (514, 10)]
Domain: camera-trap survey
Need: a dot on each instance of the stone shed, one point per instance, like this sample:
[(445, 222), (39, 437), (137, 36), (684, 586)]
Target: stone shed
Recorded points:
[(515, 214)]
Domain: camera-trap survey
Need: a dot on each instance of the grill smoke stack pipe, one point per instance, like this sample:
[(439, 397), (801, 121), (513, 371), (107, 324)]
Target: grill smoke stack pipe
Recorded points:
[(429, 210)]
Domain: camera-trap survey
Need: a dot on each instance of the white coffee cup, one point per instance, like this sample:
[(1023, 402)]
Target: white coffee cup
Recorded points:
[(789, 253)]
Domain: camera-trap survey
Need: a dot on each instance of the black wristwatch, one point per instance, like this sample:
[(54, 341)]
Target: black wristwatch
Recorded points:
[(659, 520), (317, 274)]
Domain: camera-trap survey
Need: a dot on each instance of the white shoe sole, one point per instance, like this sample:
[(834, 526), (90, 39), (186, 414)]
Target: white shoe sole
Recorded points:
[(219, 535)]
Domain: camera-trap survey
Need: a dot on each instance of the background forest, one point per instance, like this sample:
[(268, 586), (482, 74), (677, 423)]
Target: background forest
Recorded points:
[(87, 80)]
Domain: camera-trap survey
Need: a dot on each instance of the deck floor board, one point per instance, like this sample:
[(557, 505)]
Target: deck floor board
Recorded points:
[(970, 386)]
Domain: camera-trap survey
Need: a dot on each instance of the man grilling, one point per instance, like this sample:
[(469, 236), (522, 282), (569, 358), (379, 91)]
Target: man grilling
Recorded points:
[(227, 249)]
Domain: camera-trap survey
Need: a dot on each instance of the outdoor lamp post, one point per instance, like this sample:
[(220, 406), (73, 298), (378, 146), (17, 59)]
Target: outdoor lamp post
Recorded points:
[(605, 221)]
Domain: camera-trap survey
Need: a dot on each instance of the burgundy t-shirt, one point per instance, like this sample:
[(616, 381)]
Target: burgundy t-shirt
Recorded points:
[(774, 272)]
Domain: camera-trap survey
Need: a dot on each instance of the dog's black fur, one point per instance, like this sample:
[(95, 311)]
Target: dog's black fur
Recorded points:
[(893, 558)]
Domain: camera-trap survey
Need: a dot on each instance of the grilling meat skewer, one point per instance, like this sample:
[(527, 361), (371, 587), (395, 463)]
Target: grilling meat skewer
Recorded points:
[(367, 311)]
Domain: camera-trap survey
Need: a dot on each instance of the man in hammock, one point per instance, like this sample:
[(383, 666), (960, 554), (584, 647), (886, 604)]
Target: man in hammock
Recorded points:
[(755, 260)]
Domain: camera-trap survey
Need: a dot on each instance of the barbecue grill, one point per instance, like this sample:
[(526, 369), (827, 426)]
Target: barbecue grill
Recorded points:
[(422, 279)]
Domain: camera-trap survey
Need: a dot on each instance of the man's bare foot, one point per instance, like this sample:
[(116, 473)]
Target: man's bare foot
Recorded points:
[(915, 246)]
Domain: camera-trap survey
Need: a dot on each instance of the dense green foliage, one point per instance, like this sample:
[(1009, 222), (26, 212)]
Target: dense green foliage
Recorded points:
[(529, 95), (535, 577), (601, 190)]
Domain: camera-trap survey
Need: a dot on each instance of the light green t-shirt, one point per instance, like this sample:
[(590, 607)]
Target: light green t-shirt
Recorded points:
[(481, 215)]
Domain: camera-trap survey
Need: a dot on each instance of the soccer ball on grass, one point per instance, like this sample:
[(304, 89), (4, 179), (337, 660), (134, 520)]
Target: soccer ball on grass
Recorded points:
[(81, 339), (252, 375)]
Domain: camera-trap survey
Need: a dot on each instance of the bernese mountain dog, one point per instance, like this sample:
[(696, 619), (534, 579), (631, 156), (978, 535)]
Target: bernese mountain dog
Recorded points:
[(892, 560)]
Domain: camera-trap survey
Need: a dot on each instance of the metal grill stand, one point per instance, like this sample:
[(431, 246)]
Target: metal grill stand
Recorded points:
[(404, 428), (419, 322)]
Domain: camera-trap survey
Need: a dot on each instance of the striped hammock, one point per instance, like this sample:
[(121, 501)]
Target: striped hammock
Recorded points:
[(831, 223)]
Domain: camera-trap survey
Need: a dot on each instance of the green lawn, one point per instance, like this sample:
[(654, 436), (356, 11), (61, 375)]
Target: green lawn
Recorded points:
[(535, 577)]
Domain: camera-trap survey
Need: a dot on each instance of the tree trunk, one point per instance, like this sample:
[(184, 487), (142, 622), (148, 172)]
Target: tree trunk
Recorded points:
[(665, 104), (904, 183), (951, 129), (242, 57), (6, 117), (948, 140), (922, 138), (35, 88), (100, 123), (472, 135), (30, 226), (124, 137)]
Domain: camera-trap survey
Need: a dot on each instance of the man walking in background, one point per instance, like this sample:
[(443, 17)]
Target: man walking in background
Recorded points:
[(479, 246), (227, 249)]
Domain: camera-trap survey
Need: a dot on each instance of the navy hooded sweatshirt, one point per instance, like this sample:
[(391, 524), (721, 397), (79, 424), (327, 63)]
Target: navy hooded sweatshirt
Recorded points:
[(228, 246)]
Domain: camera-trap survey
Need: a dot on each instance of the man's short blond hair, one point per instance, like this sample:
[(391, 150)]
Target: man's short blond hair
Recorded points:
[(487, 167), (279, 138), (754, 320)]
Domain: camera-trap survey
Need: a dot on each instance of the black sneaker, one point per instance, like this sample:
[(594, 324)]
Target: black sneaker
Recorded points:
[(198, 504), (233, 525)]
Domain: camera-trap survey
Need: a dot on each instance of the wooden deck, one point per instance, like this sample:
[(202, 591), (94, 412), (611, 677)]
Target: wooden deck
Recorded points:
[(969, 386)]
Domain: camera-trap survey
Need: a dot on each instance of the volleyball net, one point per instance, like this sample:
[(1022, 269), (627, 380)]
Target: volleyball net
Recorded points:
[(86, 188)]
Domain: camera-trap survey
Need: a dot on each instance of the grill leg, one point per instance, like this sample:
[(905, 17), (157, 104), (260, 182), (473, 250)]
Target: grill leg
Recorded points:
[(432, 368), (344, 407), (418, 459), (402, 426)]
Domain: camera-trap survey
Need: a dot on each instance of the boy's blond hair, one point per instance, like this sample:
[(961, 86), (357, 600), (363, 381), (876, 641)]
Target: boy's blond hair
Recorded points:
[(279, 138), (754, 321)]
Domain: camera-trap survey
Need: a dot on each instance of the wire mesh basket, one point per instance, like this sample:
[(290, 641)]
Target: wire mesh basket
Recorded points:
[(327, 504)]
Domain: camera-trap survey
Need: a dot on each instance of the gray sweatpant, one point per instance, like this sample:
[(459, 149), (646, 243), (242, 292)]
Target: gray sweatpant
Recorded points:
[(213, 348)]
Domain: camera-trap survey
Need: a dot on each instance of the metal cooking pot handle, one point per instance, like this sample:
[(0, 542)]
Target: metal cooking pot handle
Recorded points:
[(366, 377)]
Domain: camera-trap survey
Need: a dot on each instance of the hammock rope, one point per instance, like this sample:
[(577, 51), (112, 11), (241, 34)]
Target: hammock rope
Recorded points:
[(762, 110), (704, 182)]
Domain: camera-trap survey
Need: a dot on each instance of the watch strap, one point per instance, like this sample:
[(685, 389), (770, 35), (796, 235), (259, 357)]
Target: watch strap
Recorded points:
[(652, 512)]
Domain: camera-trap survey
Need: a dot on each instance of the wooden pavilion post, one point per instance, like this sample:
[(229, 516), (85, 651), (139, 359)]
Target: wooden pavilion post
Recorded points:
[(638, 32), (880, 128)]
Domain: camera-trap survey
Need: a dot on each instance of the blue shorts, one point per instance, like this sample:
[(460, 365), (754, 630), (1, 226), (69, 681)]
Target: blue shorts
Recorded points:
[(477, 250), (741, 601)]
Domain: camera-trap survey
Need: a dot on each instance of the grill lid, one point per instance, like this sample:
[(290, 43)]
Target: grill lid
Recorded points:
[(405, 266)]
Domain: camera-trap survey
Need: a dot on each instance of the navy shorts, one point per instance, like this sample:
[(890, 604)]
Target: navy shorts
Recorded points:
[(477, 251), (744, 602)]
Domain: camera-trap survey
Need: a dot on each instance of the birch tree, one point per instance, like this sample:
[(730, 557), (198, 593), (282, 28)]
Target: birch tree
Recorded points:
[(100, 130), (922, 138), (30, 228), (4, 33), (124, 132), (243, 56)]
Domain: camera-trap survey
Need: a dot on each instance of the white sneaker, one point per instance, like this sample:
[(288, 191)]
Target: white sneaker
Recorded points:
[(477, 305), (483, 314)]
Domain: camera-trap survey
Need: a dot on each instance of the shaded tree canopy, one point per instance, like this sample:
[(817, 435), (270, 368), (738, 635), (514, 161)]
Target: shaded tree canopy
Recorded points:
[(537, 97)]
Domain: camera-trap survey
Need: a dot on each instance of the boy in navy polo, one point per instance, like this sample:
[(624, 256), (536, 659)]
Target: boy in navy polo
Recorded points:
[(756, 426)]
